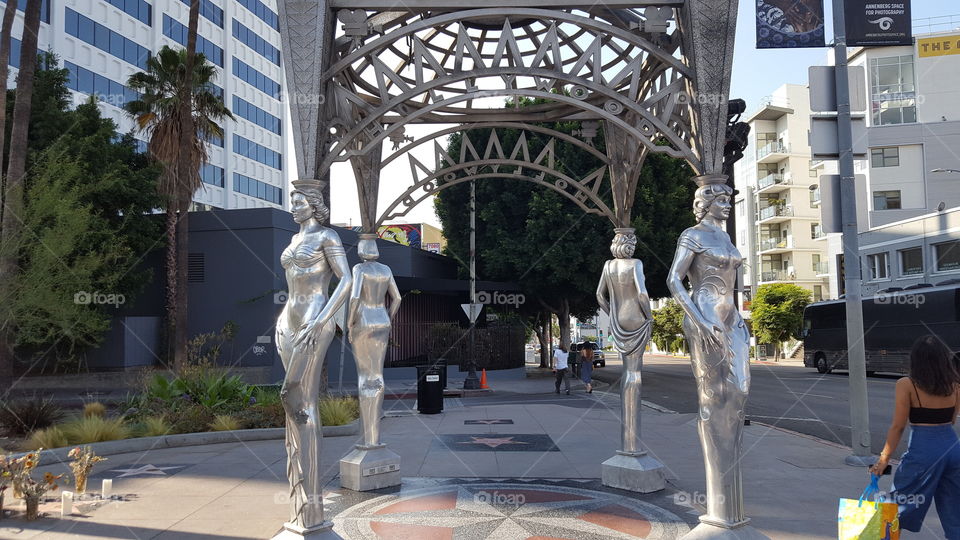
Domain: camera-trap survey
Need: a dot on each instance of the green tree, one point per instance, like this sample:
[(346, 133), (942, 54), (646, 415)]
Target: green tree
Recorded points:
[(668, 326), (777, 313), (159, 113), (86, 224), (537, 238), (11, 223)]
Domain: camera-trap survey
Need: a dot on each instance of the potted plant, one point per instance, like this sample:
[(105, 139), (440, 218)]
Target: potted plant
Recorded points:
[(83, 461)]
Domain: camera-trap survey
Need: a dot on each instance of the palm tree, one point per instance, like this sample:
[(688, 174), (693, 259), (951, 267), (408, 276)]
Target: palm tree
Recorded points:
[(13, 186), (158, 113)]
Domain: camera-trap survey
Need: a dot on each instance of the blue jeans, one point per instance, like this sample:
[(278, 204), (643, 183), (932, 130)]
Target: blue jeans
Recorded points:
[(929, 471)]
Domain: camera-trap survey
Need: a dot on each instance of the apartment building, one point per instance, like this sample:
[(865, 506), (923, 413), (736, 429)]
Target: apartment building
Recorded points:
[(912, 171), (103, 42), (777, 213)]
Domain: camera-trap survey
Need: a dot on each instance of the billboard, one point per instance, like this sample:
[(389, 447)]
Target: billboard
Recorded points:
[(938, 46), (870, 23), (787, 24), (406, 234)]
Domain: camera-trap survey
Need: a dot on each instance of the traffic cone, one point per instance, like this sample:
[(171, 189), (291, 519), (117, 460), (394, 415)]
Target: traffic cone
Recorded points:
[(483, 380)]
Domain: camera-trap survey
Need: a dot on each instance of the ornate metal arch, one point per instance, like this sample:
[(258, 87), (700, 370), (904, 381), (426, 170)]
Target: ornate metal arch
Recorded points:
[(488, 162), (360, 71)]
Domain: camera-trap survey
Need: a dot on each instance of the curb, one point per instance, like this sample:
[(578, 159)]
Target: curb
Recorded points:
[(143, 444)]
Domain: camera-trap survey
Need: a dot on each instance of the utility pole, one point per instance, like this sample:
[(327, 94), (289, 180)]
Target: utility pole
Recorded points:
[(856, 356), (472, 382)]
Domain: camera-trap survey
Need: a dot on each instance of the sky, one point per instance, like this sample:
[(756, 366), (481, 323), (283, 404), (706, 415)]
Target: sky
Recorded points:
[(756, 74)]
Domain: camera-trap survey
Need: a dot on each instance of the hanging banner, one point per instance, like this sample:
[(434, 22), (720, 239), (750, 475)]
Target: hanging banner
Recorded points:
[(870, 23), (788, 24)]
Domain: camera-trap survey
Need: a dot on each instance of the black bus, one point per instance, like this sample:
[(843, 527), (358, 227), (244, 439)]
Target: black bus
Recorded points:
[(892, 321)]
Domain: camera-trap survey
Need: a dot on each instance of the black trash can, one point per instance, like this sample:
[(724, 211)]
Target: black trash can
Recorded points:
[(573, 361), (430, 389), (441, 363)]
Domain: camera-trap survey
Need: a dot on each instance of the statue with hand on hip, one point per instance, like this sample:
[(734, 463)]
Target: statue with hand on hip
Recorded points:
[(304, 331), (622, 294), (368, 322), (719, 345)]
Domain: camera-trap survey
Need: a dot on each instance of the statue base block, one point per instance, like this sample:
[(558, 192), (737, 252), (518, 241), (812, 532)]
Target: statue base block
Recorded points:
[(711, 531), (324, 531), (369, 467), (633, 472)]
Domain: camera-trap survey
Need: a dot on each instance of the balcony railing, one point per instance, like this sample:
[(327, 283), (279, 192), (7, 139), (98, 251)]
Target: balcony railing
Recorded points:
[(821, 268), (772, 243), (773, 211), (772, 148), (815, 196), (817, 233), (773, 275), (771, 179)]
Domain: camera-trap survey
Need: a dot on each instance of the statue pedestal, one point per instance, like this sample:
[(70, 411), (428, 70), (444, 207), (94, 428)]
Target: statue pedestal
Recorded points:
[(633, 472), (711, 531), (324, 531), (369, 467)]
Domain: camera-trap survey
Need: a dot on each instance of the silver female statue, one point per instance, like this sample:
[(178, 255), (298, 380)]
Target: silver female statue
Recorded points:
[(719, 347), (368, 321), (622, 294), (305, 329)]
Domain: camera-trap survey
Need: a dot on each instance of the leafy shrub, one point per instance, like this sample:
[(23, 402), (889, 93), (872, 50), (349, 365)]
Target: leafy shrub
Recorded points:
[(94, 408), (224, 422), (193, 418), (269, 415), (266, 395), (91, 429), (212, 388), (51, 437), (337, 411), (22, 416)]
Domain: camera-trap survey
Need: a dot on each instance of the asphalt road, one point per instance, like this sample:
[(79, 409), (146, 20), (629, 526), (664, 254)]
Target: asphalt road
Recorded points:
[(787, 396)]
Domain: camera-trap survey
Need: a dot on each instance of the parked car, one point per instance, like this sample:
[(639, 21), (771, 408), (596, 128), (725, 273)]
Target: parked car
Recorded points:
[(599, 360)]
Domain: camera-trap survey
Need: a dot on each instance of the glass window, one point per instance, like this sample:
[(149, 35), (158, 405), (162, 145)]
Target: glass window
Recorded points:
[(911, 261), (885, 157), (259, 9), (878, 265), (255, 42), (892, 91), (947, 256), (105, 39), (886, 200)]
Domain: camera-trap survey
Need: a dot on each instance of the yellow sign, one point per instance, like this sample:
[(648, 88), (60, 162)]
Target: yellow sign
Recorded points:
[(938, 46)]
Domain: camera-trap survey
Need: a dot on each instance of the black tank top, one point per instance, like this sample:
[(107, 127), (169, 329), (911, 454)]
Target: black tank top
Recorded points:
[(925, 415)]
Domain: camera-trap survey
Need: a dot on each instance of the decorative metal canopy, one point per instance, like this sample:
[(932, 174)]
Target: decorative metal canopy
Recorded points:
[(360, 71)]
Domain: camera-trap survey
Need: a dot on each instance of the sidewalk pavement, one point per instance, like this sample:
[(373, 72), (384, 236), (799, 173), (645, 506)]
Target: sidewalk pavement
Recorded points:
[(540, 469)]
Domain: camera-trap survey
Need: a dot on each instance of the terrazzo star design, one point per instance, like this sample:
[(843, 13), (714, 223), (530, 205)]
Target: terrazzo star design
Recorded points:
[(492, 442), (506, 511), (144, 470)]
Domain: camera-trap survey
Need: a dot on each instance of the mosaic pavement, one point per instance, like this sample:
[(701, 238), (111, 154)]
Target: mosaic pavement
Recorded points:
[(505, 509)]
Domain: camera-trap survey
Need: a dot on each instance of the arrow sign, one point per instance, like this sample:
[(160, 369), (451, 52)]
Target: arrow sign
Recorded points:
[(472, 311)]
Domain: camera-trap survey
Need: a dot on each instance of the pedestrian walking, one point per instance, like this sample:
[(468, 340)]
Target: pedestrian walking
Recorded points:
[(929, 399), (586, 365), (560, 368)]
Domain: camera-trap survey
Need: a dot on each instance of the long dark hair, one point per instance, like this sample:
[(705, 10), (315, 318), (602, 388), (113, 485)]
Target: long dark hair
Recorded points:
[(932, 367)]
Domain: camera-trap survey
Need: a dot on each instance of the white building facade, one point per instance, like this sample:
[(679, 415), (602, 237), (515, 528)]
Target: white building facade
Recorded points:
[(777, 214), (103, 42), (912, 167)]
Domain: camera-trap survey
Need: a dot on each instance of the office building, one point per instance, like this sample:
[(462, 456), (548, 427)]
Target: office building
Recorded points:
[(103, 42), (777, 217), (912, 170)]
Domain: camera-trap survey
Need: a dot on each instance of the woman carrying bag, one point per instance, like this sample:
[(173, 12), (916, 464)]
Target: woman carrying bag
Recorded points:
[(930, 469)]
